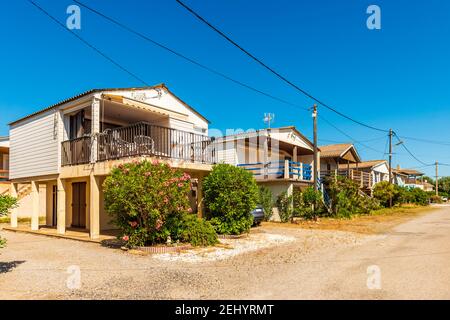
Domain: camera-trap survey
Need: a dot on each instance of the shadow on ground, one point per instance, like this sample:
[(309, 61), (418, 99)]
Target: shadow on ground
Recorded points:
[(8, 266)]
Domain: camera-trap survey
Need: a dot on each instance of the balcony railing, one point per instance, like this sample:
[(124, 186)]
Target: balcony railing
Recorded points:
[(4, 174), (283, 169), (143, 139), (76, 151), (362, 178)]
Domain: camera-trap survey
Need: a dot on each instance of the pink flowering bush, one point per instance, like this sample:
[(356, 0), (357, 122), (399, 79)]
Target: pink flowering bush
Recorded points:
[(149, 202)]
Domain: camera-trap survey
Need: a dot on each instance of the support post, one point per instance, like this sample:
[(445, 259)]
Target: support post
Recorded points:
[(390, 162), (35, 199), (200, 212), (316, 150), (94, 212), (14, 212), (95, 128), (61, 209), (286, 169), (437, 179)]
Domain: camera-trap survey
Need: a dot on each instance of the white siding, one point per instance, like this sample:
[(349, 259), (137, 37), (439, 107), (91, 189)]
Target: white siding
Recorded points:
[(34, 147)]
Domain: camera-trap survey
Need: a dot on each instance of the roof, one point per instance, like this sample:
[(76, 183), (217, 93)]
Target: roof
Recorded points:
[(408, 172), (242, 135), (363, 165), (92, 91), (337, 150), (4, 142)]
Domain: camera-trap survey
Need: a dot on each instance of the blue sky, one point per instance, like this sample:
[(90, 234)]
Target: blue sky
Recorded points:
[(394, 77)]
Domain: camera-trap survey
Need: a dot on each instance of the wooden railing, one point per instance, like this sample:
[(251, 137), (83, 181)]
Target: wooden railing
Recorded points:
[(76, 151), (143, 139), (4, 174), (283, 169), (362, 178)]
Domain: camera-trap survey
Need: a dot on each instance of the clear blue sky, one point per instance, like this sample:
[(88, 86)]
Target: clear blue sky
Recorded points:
[(396, 77)]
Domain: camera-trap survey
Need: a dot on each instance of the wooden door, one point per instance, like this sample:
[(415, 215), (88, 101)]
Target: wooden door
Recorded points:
[(55, 206), (79, 205)]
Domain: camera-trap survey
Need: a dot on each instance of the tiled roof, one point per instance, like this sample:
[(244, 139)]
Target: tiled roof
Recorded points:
[(334, 150), (362, 165), (408, 172)]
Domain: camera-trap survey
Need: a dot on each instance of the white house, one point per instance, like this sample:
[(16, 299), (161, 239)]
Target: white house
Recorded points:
[(279, 158), (71, 146), (377, 169)]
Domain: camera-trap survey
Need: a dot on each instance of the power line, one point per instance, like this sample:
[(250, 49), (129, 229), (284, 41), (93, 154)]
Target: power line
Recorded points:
[(182, 56), (444, 143), (348, 136), (87, 43), (209, 69), (410, 153), (172, 51), (277, 74)]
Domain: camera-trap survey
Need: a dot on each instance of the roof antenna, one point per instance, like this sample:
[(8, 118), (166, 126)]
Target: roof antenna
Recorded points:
[(269, 118)]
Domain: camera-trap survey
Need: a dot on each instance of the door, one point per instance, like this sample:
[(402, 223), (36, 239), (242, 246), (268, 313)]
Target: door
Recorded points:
[(55, 206), (79, 205)]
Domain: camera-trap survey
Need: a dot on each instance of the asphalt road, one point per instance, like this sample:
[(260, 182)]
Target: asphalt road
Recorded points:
[(411, 261)]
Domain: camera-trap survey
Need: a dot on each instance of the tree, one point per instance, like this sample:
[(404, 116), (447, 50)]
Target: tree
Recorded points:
[(149, 203), (444, 185), (231, 193), (6, 204), (266, 201)]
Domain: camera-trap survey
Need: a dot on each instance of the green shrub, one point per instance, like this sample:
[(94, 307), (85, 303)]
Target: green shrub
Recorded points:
[(285, 206), (436, 199), (266, 201), (420, 197), (400, 195), (197, 232), (145, 199), (6, 204), (307, 203), (384, 191), (230, 194), (347, 200)]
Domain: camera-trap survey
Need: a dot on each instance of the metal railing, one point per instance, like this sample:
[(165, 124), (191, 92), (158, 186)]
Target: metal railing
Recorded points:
[(283, 169), (76, 151), (143, 139)]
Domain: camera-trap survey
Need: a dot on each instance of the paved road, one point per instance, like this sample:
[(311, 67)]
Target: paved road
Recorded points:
[(413, 262), (410, 262)]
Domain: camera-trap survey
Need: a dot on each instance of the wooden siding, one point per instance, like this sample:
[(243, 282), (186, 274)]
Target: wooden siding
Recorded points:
[(34, 147)]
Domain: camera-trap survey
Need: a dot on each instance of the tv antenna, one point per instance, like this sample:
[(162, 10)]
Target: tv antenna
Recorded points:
[(269, 118)]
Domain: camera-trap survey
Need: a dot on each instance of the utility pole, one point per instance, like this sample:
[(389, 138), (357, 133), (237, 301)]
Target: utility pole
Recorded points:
[(316, 152), (390, 163), (437, 179)]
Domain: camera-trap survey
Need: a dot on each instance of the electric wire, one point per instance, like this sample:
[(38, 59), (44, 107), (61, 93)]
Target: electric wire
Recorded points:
[(277, 74)]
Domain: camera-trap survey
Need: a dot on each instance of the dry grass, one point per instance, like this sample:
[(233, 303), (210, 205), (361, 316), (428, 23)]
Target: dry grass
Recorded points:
[(378, 222), (20, 220)]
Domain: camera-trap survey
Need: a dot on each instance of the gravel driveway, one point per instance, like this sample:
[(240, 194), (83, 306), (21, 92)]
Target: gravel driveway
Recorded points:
[(317, 264)]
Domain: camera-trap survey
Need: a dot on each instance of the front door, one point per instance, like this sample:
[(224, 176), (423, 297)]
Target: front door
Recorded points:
[(55, 207), (79, 205)]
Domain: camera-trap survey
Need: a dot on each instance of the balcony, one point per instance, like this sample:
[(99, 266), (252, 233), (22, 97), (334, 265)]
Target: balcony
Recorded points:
[(362, 178), (279, 170), (4, 174), (140, 139)]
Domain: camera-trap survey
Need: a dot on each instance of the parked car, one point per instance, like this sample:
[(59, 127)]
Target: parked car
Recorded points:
[(258, 215)]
